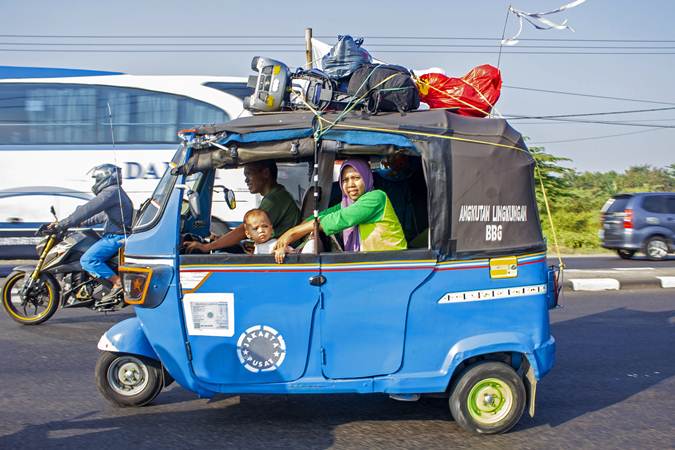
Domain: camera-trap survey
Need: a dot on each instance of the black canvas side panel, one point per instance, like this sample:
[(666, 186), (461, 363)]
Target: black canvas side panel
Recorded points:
[(481, 199), (494, 209)]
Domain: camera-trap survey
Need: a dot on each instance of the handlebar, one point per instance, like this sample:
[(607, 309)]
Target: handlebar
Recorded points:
[(45, 231), (42, 231)]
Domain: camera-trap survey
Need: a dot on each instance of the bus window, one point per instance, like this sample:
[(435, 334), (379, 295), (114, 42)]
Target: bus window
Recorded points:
[(193, 113), (72, 114)]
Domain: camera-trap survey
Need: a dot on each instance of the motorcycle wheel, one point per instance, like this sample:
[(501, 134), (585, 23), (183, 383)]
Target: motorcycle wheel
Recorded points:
[(128, 380), (38, 308)]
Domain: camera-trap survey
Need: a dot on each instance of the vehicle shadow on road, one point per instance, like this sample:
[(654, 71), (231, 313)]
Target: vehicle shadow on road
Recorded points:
[(90, 317), (603, 359), (252, 421)]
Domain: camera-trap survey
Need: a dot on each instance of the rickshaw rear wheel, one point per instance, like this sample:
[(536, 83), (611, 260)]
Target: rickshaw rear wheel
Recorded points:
[(488, 398), (128, 380)]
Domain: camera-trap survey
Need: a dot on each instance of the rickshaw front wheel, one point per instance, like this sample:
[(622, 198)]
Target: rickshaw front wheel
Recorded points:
[(488, 398), (128, 380)]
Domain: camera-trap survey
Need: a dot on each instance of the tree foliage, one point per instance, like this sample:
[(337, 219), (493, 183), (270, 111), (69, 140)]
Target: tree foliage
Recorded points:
[(575, 198)]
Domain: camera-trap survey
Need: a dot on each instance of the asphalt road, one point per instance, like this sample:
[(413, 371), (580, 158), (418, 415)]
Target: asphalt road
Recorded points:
[(612, 387)]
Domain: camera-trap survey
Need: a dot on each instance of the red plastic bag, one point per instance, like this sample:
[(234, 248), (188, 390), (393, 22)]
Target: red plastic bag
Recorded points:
[(474, 94)]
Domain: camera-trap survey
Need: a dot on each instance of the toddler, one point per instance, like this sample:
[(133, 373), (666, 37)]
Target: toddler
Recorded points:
[(258, 227)]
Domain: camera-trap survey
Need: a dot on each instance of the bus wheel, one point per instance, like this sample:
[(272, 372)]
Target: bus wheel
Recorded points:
[(37, 306), (488, 398), (128, 380)]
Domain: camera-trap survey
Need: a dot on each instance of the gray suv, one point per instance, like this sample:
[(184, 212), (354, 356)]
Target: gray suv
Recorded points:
[(642, 221)]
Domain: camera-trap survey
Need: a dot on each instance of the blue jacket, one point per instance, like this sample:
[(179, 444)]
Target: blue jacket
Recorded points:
[(105, 209)]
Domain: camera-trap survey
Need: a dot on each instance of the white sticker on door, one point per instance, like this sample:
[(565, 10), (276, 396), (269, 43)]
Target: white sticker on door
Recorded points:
[(209, 314)]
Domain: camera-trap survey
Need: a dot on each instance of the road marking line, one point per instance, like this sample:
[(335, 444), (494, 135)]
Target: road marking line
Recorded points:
[(667, 282), (633, 268), (595, 284)]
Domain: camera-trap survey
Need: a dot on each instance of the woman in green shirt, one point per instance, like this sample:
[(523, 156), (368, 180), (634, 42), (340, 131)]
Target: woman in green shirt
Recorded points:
[(365, 216)]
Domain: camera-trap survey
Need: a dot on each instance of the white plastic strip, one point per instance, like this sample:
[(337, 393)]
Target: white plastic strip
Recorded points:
[(492, 294), (595, 284), (539, 22)]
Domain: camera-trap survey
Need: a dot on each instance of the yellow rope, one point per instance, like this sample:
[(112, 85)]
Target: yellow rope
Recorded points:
[(447, 94), (548, 213), (420, 133), (478, 91)]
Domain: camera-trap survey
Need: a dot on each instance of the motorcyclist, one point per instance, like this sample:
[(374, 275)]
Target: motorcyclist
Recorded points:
[(112, 207)]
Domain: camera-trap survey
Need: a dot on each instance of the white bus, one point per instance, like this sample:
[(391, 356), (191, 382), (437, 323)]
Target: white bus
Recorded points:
[(56, 124)]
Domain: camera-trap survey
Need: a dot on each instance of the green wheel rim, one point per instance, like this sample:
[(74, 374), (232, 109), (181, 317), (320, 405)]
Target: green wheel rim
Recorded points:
[(489, 401)]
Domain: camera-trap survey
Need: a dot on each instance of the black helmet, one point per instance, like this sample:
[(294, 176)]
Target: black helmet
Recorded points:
[(105, 175)]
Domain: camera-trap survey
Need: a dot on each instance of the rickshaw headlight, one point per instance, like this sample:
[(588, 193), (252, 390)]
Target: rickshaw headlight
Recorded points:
[(136, 281)]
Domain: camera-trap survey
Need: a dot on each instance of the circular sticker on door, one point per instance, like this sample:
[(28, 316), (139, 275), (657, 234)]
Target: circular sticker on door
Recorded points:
[(261, 349)]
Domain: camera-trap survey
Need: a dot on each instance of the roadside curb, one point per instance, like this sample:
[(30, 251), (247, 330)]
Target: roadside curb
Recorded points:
[(594, 280)]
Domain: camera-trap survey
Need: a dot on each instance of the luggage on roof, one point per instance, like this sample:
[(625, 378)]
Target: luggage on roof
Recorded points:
[(345, 57), (385, 88), (349, 80)]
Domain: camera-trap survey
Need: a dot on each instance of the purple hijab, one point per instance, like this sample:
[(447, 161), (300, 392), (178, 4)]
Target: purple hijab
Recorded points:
[(350, 236)]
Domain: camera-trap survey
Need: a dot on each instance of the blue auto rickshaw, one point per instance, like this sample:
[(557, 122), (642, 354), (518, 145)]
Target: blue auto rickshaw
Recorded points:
[(463, 312)]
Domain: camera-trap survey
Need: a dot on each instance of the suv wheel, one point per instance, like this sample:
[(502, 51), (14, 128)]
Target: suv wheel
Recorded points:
[(656, 249), (625, 254)]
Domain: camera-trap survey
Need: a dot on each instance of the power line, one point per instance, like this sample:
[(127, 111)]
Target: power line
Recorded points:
[(438, 52), (150, 36), (588, 95), (609, 113), (148, 51), (591, 138), (301, 45), (608, 121), (241, 36), (496, 38)]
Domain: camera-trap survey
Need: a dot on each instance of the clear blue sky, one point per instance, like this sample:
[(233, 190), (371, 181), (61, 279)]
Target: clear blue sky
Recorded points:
[(646, 77)]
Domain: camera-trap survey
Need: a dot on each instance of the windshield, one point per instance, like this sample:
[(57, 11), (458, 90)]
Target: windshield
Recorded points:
[(151, 208)]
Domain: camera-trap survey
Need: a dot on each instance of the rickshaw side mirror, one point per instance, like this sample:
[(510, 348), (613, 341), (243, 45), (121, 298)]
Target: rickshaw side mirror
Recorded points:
[(228, 195), (230, 199), (53, 211)]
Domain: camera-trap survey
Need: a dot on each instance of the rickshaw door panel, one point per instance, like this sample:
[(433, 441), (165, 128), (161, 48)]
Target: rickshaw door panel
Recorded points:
[(265, 312), (364, 309)]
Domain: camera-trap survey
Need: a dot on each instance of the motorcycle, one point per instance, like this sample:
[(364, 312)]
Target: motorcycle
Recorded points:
[(32, 294)]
